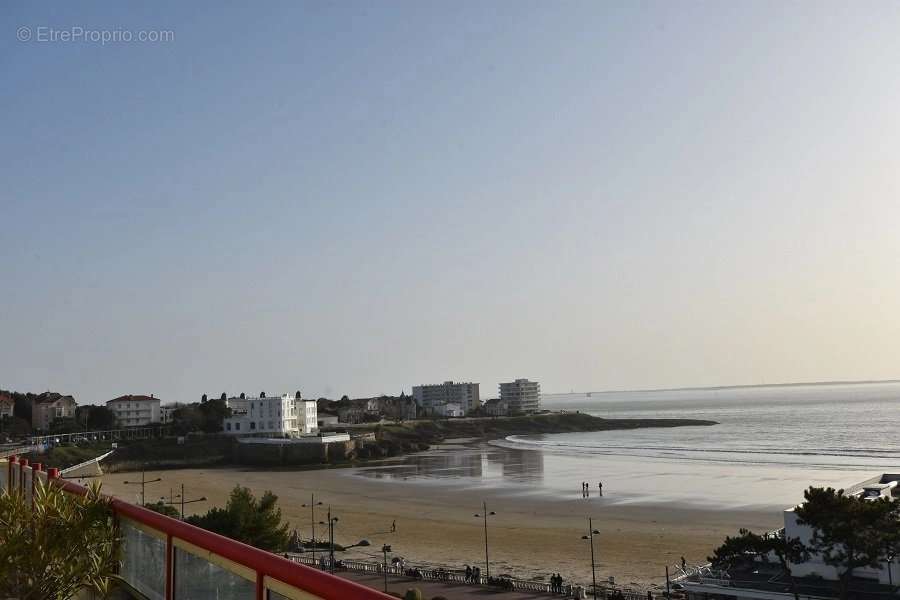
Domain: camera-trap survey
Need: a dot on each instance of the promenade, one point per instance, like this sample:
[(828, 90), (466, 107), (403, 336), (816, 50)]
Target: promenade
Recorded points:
[(432, 589)]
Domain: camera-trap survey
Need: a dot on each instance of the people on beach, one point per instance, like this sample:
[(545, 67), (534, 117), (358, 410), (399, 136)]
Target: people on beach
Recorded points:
[(476, 575), (556, 583), (468, 574)]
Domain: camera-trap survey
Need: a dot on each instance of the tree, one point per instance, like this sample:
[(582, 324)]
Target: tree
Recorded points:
[(164, 509), (749, 546), (61, 545), (246, 519), (849, 532), (95, 418)]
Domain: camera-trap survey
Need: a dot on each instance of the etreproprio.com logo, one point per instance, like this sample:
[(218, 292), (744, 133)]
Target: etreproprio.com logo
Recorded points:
[(78, 34)]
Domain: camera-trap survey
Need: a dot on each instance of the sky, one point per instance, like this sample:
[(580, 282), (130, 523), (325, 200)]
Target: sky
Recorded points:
[(354, 198)]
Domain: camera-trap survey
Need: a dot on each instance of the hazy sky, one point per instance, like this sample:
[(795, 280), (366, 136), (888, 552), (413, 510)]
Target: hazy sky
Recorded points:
[(358, 197)]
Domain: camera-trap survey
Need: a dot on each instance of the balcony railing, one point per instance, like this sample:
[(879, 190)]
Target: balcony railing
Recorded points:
[(166, 559)]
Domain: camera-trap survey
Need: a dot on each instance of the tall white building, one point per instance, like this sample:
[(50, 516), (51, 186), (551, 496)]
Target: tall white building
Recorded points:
[(521, 396), (433, 397), (284, 415), (135, 411)]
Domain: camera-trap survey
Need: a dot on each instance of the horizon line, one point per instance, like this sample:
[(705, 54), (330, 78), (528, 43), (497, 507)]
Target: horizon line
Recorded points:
[(732, 386)]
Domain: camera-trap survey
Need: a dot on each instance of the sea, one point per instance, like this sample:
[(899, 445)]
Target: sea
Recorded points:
[(769, 444)]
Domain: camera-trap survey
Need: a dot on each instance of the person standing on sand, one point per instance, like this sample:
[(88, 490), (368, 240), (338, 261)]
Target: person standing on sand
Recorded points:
[(394, 526), (600, 487)]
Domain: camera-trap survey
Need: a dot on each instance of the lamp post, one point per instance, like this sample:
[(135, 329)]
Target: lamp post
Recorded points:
[(330, 523), (312, 522), (485, 515), (590, 536), (143, 482), (385, 548), (184, 500)]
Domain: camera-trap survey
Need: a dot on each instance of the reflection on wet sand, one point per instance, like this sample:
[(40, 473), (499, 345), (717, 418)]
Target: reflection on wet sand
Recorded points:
[(481, 462)]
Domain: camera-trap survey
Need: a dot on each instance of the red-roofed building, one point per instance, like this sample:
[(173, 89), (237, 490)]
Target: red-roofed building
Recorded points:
[(135, 411)]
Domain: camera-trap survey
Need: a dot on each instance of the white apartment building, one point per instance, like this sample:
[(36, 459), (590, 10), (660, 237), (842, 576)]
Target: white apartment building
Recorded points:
[(135, 411), (521, 396), (278, 416), (431, 397)]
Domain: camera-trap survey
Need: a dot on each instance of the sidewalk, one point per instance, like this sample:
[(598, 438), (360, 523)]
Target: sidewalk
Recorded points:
[(431, 589)]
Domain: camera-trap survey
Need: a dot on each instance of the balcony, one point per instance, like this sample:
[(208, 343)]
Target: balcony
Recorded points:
[(166, 559)]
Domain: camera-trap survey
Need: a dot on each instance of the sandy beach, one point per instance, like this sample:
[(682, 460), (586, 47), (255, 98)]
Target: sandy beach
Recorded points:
[(531, 534)]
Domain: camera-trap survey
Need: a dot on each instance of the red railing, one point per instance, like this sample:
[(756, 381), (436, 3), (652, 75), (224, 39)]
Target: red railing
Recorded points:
[(273, 576)]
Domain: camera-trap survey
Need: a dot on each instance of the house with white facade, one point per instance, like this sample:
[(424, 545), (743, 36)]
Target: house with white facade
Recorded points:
[(135, 411), (274, 416), (766, 580)]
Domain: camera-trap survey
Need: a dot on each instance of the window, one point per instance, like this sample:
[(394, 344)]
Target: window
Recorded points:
[(252, 424), (227, 426), (237, 426)]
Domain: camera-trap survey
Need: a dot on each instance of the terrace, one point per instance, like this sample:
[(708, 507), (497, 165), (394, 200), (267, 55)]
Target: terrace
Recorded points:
[(166, 559)]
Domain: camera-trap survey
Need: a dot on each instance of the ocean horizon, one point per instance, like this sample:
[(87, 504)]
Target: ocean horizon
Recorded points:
[(769, 444)]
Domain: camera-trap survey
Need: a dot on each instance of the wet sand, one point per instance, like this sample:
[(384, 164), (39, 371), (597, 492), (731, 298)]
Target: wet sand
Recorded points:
[(532, 534)]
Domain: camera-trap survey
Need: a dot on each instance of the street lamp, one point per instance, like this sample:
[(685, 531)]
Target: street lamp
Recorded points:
[(590, 536), (485, 515), (183, 500), (312, 521), (385, 548), (143, 482), (330, 523)]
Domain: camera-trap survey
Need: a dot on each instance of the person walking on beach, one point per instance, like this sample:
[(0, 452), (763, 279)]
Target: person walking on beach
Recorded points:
[(600, 487), (394, 526)]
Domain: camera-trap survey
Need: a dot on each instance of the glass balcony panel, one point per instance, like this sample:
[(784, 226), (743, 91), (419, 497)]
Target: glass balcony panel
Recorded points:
[(144, 562), (199, 579)]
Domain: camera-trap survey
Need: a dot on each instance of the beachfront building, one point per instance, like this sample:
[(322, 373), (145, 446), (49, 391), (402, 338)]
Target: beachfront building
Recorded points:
[(521, 396), (431, 397), (278, 416), (135, 411), (7, 405), (50, 406), (495, 407), (813, 577), (450, 409), (167, 412)]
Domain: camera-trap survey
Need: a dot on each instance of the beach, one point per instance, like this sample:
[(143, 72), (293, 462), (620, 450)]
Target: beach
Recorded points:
[(531, 534)]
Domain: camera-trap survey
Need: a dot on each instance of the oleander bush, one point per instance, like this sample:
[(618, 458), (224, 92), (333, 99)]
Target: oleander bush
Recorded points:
[(58, 546)]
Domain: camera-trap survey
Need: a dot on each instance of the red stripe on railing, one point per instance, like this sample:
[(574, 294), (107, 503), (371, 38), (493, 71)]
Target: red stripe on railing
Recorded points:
[(264, 563)]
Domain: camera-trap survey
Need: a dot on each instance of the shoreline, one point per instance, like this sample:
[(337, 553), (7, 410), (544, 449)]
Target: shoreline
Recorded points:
[(436, 527)]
